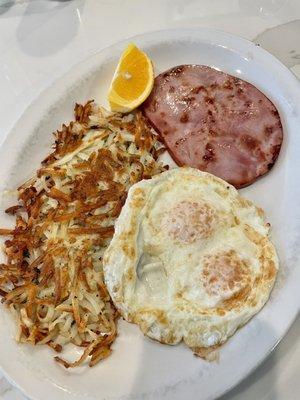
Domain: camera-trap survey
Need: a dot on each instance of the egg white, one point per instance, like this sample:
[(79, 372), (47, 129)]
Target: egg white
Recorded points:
[(190, 259)]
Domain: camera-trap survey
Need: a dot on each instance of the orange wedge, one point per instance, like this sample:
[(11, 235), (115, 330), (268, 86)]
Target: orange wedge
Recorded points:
[(132, 81)]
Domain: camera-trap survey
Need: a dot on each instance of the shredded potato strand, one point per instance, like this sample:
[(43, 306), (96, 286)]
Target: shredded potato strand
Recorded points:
[(52, 280)]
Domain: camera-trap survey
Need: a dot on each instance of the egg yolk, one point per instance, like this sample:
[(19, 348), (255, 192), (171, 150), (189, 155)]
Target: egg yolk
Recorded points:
[(189, 221), (224, 273)]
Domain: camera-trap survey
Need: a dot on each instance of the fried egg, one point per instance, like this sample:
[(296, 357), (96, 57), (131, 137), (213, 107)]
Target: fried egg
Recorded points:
[(190, 259)]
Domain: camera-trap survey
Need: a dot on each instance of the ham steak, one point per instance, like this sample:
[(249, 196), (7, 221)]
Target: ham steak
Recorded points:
[(215, 122)]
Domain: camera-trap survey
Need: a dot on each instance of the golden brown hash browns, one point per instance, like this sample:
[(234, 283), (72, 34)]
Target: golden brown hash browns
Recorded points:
[(52, 279)]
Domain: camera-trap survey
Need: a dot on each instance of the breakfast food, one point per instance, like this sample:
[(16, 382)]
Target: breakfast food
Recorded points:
[(215, 122), (190, 259), (52, 280), (132, 81)]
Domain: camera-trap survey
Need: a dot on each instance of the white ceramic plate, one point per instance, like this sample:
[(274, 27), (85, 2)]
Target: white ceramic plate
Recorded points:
[(138, 367)]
